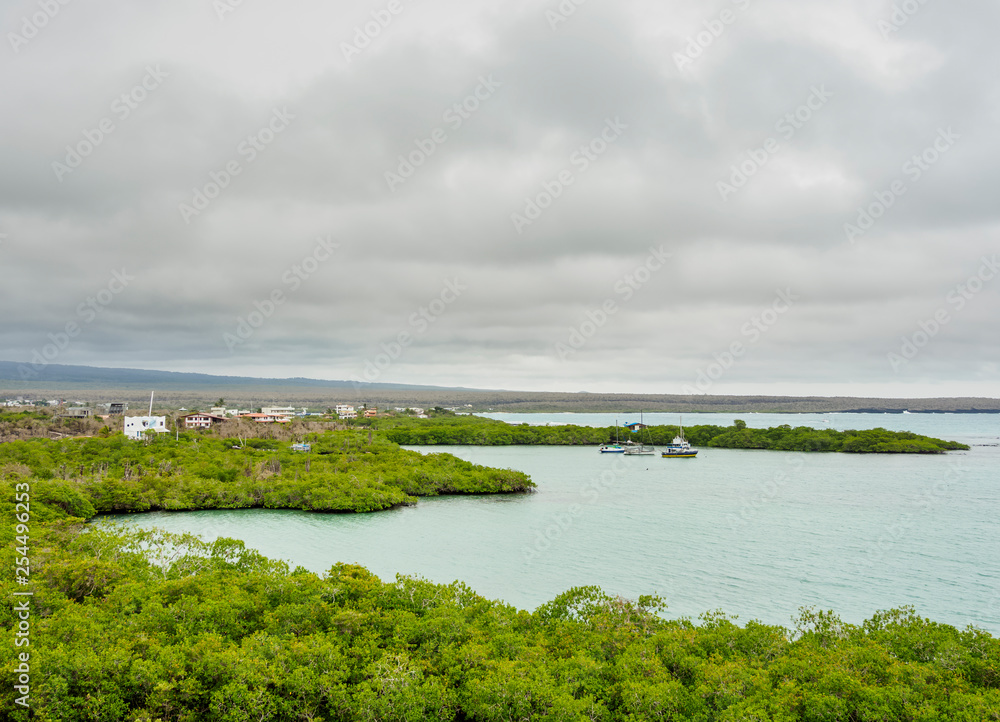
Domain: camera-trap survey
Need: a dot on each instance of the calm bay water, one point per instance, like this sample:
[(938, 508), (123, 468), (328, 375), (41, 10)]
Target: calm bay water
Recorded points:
[(755, 533)]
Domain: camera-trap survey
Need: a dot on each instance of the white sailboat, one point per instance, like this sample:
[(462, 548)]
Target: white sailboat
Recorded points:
[(615, 448), (642, 447), (680, 448)]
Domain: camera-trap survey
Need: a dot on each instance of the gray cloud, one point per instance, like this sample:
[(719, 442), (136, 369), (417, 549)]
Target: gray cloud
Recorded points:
[(529, 287)]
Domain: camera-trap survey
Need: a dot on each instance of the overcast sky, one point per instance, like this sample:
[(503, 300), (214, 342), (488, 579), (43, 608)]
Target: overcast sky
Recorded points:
[(763, 196)]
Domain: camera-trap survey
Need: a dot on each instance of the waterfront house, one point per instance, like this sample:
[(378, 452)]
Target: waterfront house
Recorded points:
[(201, 421), (267, 418)]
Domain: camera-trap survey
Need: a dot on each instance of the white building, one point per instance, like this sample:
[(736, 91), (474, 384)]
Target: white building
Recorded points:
[(279, 410), (267, 418), (345, 411), (136, 426), (201, 421)]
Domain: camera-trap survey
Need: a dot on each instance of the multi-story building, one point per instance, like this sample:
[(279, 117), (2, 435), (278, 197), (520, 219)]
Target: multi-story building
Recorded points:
[(201, 421), (283, 410), (136, 426), (267, 418)]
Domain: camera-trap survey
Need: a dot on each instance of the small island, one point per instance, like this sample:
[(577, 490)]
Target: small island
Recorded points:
[(463, 430), (342, 471)]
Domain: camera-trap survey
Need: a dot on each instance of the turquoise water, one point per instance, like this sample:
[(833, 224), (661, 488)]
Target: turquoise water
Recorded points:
[(755, 533)]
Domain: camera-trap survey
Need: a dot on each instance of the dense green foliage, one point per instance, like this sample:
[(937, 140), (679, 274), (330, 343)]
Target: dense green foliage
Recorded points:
[(473, 430), (345, 472), (143, 625)]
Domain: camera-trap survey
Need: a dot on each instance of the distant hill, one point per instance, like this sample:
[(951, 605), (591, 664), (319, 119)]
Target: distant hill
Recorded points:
[(193, 390), (57, 376)]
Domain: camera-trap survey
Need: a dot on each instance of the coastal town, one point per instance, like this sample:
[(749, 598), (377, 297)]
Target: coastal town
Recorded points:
[(116, 414)]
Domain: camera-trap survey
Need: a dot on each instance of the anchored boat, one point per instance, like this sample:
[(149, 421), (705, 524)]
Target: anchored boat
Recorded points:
[(615, 448), (642, 447), (680, 448)]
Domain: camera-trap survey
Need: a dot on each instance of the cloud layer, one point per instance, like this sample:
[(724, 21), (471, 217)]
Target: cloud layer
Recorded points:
[(732, 197)]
